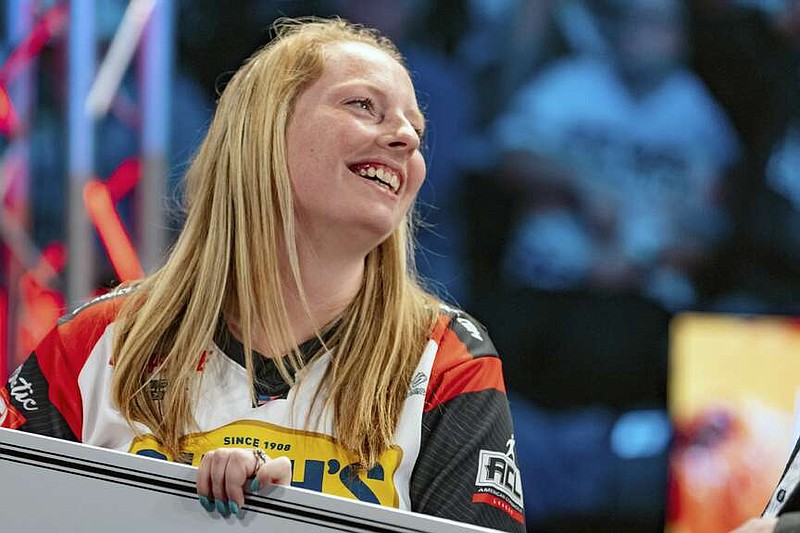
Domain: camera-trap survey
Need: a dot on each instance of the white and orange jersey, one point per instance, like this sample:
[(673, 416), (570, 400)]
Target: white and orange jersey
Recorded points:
[(452, 454)]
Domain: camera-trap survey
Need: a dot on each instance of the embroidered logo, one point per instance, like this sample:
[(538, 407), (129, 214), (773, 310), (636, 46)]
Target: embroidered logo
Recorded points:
[(22, 392), (498, 482), (157, 388), (471, 328), (418, 384)]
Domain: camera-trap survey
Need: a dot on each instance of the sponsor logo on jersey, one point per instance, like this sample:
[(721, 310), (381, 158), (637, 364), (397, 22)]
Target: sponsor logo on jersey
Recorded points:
[(154, 364), (418, 384), (157, 389), (467, 324), (9, 416), (471, 328), (498, 482), (318, 463), (22, 392)]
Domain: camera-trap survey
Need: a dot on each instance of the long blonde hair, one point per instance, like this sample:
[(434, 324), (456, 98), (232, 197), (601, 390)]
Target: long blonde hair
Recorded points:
[(239, 204)]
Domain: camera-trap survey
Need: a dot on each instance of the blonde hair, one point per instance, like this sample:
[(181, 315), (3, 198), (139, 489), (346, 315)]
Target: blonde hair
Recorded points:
[(239, 202)]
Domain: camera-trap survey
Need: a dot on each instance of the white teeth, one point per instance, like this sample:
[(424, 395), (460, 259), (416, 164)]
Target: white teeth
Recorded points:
[(386, 175)]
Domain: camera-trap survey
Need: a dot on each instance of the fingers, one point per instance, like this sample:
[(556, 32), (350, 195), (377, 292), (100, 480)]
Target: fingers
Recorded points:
[(221, 478), (219, 463), (204, 483), (276, 471), (223, 475), (241, 464)]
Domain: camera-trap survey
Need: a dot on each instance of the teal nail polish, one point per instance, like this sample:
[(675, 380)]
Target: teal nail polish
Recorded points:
[(222, 508), (207, 505), (234, 508), (255, 486)]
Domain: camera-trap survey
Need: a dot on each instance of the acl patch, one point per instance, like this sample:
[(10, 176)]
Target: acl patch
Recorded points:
[(498, 482)]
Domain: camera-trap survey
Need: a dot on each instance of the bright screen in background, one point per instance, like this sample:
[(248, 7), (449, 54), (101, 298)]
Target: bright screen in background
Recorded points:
[(733, 398)]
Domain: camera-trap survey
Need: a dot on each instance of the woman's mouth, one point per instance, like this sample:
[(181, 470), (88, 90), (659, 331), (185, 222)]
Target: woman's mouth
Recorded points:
[(381, 174)]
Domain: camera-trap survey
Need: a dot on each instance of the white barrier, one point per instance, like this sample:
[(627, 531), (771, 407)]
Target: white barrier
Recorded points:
[(49, 485)]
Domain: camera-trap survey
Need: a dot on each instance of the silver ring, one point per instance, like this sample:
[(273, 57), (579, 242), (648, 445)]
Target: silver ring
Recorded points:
[(261, 459)]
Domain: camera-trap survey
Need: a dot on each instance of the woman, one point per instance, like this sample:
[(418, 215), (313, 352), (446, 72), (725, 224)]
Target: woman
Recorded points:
[(287, 321)]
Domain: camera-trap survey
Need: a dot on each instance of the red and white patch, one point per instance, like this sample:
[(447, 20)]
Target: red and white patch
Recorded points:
[(10, 417), (500, 503)]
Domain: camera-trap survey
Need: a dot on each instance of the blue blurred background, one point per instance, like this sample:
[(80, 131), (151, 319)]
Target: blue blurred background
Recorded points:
[(595, 167)]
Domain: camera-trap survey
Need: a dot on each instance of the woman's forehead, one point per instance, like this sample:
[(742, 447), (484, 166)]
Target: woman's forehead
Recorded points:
[(350, 57)]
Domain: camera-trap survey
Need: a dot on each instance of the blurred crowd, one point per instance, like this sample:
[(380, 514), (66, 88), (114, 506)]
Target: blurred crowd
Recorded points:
[(595, 166)]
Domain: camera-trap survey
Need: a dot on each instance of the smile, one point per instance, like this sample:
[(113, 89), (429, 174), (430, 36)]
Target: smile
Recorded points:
[(381, 174)]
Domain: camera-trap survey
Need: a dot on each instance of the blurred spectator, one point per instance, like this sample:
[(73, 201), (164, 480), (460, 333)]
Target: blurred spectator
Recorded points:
[(612, 163), (619, 159), (508, 41), (749, 53)]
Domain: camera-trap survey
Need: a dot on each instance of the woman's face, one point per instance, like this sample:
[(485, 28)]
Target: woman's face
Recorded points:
[(353, 150)]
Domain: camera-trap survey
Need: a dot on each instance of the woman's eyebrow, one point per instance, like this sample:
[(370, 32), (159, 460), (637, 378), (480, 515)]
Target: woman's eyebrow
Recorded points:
[(412, 113), (356, 83)]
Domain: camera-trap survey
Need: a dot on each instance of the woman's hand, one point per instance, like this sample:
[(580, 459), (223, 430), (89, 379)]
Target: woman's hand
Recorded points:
[(224, 472)]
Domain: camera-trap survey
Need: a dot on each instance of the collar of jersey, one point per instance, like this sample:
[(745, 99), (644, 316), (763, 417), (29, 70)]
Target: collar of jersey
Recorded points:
[(268, 382)]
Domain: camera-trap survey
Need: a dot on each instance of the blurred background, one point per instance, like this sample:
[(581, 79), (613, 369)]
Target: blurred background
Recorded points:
[(597, 169)]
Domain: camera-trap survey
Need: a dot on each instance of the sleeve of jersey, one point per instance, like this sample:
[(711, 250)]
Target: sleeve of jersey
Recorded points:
[(466, 469), (43, 395), (38, 397)]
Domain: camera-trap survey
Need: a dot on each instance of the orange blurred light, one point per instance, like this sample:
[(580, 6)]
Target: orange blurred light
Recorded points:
[(8, 116), (105, 218)]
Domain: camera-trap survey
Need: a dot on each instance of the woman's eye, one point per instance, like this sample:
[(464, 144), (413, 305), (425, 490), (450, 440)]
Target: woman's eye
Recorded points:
[(362, 103)]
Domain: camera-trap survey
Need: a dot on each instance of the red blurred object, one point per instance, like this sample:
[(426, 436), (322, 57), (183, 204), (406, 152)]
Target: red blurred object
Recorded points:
[(104, 216), (9, 122), (3, 337), (56, 256), (124, 178), (42, 305), (50, 25)]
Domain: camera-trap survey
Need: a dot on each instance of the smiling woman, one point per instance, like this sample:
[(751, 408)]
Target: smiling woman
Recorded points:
[(287, 326), (353, 146)]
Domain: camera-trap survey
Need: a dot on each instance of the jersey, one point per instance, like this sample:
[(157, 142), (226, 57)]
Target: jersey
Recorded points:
[(453, 453)]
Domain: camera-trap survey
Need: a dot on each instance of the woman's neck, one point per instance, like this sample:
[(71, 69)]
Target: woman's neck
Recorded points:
[(330, 284)]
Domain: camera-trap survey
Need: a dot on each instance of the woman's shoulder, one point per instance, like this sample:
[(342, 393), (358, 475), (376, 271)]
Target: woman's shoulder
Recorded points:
[(459, 332), (99, 311), (466, 360)]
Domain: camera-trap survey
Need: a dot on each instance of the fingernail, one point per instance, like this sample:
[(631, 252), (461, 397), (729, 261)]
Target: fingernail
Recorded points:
[(234, 507), (207, 505), (255, 486), (222, 508)]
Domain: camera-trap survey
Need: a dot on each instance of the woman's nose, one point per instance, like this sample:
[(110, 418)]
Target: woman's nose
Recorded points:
[(401, 135)]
